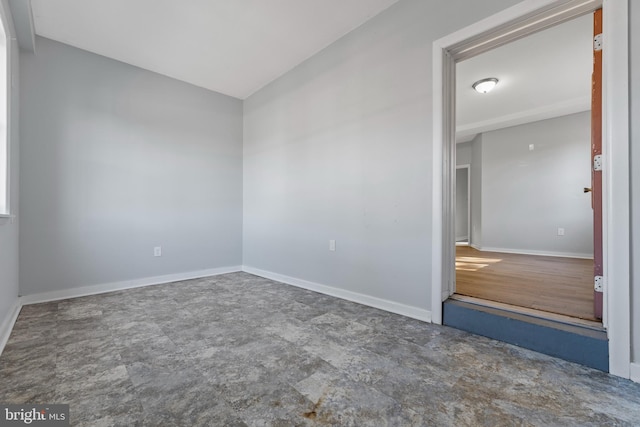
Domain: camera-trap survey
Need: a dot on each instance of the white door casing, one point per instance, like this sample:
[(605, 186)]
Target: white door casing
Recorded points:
[(511, 24)]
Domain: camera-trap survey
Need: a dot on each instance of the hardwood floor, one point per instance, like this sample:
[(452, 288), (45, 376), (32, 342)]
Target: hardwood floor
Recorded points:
[(553, 284)]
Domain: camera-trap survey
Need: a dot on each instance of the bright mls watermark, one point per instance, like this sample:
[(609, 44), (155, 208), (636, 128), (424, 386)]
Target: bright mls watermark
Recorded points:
[(34, 415)]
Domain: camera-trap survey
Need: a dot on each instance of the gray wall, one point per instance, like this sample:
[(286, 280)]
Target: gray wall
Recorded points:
[(116, 160), (462, 204), (634, 37), (464, 152), (340, 148), (8, 229), (476, 191), (527, 195)]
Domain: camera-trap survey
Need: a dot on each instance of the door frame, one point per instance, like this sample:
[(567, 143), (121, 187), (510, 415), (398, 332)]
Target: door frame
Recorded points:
[(468, 168), (511, 24)]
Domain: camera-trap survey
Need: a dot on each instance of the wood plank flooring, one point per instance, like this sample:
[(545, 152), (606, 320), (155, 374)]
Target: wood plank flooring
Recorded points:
[(552, 284)]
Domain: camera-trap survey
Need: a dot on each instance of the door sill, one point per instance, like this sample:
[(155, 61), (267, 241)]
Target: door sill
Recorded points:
[(555, 317), (586, 345)]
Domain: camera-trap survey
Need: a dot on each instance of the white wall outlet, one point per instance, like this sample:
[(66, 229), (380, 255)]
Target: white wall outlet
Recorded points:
[(157, 251), (332, 245), (560, 231), (532, 147)]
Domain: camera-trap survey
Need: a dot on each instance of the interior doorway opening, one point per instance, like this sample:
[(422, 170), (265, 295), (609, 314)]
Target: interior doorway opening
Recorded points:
[(526, 18), (529, 147)]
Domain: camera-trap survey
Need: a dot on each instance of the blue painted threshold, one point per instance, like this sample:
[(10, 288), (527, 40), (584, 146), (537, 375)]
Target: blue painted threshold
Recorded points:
[(575, 343)]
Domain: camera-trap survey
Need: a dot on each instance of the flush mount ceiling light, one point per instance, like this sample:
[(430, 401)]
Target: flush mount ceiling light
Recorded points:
[(485, 85)]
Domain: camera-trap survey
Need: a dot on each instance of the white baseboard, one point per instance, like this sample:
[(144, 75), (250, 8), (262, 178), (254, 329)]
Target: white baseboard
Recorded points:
[(405, 310), (382, 304), (126, 284), (635, 372), (534, 252), (7, 323)]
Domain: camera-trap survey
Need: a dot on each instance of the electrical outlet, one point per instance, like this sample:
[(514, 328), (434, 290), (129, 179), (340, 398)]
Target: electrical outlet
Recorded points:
[(560, 231), (157, 251), (332, 245)]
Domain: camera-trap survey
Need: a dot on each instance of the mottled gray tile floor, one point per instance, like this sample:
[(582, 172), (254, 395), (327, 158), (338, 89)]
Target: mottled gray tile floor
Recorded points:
[(241, 350)]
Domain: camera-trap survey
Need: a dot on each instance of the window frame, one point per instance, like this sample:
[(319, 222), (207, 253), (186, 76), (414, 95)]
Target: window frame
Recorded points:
[(5, 140)]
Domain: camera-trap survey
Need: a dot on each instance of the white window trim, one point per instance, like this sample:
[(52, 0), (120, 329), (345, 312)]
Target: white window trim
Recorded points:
[(4, 15)]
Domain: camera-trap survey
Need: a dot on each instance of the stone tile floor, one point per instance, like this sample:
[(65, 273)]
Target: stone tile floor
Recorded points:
[(236, 349)]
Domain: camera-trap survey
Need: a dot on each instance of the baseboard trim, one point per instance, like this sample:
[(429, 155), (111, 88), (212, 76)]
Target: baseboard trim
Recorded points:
[(375, 302), (635, 372), (534, 252), (126, 284), (7, 324)]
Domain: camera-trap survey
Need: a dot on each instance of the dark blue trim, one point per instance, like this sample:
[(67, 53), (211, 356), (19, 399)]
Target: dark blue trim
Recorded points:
[(582, 345)]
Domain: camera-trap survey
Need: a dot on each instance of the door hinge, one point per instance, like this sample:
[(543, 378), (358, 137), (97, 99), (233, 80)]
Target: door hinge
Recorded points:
[(598, 284), (597, 162), (597, 43)]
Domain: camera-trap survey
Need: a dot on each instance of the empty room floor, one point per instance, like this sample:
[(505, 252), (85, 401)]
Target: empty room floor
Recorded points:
[(553, 284), (237, 349)]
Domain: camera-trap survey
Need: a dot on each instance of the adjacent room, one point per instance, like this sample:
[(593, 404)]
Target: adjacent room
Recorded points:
[(300, 212), (524, 205)]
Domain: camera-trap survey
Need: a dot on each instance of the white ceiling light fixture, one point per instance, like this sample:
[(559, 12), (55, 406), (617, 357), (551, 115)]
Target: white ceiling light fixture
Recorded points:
[(485, 85)]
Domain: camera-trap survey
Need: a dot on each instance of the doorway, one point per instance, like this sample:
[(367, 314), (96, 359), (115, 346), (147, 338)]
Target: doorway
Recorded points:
[(530, 139), (511, 24)]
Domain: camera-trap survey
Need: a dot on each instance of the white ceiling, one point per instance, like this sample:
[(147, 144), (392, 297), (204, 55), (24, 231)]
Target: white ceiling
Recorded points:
[(233, 47), (236, 47), (544, 75)]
